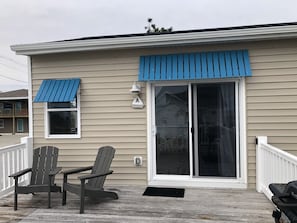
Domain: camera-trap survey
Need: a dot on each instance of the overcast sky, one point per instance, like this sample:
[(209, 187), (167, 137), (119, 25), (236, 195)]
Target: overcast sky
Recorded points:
[(31, 21)]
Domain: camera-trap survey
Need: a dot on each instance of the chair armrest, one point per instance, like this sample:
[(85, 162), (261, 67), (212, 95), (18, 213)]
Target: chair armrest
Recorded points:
[(281, 204), (91, 176), (55, 171), (21, 172), (77, 170)]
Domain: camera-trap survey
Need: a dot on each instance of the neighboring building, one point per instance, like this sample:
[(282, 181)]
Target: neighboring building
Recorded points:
[(14, 112), (207, 95)]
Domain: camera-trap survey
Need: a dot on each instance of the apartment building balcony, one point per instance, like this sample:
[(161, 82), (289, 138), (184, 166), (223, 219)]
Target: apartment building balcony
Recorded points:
[(10, 113)]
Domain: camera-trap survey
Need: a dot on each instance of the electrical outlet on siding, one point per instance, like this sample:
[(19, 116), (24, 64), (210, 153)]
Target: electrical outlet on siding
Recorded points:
[(137, 161)]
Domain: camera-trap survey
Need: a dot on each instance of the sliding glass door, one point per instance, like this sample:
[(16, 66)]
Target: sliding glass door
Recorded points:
[(199, 143), (172, 130), (215, 130)]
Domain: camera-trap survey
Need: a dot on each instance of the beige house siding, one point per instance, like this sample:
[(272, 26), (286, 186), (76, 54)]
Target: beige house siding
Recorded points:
[(272, 98), (107, 116)]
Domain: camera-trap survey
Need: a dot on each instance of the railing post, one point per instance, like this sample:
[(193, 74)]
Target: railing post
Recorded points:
[(259, 165), (28, 153)]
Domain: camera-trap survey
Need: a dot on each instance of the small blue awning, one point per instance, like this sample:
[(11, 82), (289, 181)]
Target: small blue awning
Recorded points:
[(193, 66), (57, 90)]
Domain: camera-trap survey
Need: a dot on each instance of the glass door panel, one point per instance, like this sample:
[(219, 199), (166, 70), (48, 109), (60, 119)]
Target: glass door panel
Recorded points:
[(215, 135), (172, 130), (20, 125)]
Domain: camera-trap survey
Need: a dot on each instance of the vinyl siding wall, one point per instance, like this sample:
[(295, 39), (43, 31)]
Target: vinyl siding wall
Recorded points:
[(108, 119), (272, 98), (106, 114)]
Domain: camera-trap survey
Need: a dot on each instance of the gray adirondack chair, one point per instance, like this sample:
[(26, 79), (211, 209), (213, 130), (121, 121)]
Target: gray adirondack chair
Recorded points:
[(91, 185), (43, 171)]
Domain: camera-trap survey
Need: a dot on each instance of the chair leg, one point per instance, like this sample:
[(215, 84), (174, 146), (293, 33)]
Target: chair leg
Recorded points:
[(82, 197), (64, 196), (49, 199), (49, 192), (15, 193), (82, 204), (15, 200)]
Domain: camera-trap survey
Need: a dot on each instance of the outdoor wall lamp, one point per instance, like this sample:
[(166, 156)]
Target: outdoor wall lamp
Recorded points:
[(136, 91)]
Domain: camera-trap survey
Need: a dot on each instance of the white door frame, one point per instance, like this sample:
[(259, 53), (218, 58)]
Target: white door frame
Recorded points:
[(188, 180)]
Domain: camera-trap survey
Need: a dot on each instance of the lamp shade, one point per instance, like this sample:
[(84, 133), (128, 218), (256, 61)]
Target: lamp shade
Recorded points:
[(136, 89)]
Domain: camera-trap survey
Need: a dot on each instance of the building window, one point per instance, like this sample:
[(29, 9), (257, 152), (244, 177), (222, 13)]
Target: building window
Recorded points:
[(63, 119), (18, 106), (1, 123), (62, 107), (20, 125), (7, 108)]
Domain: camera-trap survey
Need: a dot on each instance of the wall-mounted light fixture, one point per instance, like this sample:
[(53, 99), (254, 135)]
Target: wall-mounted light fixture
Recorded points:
[(136, 91)]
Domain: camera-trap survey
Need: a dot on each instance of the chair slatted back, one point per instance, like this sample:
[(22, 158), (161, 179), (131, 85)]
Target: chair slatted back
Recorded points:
[(102, 164), (44, 160)]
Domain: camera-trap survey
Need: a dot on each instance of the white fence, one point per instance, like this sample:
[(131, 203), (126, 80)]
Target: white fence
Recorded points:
[(273, 166), (12, 159)]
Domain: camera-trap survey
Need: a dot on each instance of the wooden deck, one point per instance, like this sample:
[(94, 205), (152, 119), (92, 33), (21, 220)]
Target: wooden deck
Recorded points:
[(198, 205)]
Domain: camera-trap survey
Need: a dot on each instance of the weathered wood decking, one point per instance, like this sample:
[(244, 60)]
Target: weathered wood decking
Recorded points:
[(198, 205)]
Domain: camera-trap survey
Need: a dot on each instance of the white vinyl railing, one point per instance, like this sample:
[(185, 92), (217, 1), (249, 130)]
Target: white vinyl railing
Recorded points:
[(273, 165), (12, 159)]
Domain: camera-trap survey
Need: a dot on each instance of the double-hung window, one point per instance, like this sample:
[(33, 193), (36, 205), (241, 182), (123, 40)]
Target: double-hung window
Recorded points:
[(62, 107), (63, 119)]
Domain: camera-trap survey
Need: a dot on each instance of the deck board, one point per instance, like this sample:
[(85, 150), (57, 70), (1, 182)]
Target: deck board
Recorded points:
[(198, 205)]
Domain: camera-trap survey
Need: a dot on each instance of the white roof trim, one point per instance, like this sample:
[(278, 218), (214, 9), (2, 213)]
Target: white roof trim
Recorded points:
[(212, 36), (12, 98)]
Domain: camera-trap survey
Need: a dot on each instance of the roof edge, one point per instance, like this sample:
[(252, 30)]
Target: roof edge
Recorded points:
[(176, 38), (12, 98)]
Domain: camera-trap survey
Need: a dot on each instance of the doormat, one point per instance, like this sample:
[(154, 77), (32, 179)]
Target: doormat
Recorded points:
[(164, 192)]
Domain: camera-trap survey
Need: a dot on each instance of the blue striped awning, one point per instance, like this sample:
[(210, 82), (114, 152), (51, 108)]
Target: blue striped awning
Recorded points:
[(193, 66), (57, 90)]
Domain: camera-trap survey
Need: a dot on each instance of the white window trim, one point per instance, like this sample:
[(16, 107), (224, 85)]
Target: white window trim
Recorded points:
[(62, 136), (189, 181)]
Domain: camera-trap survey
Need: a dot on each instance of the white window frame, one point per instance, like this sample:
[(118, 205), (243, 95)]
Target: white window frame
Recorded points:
[(62, 136), (2, 125), (167, 180)]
